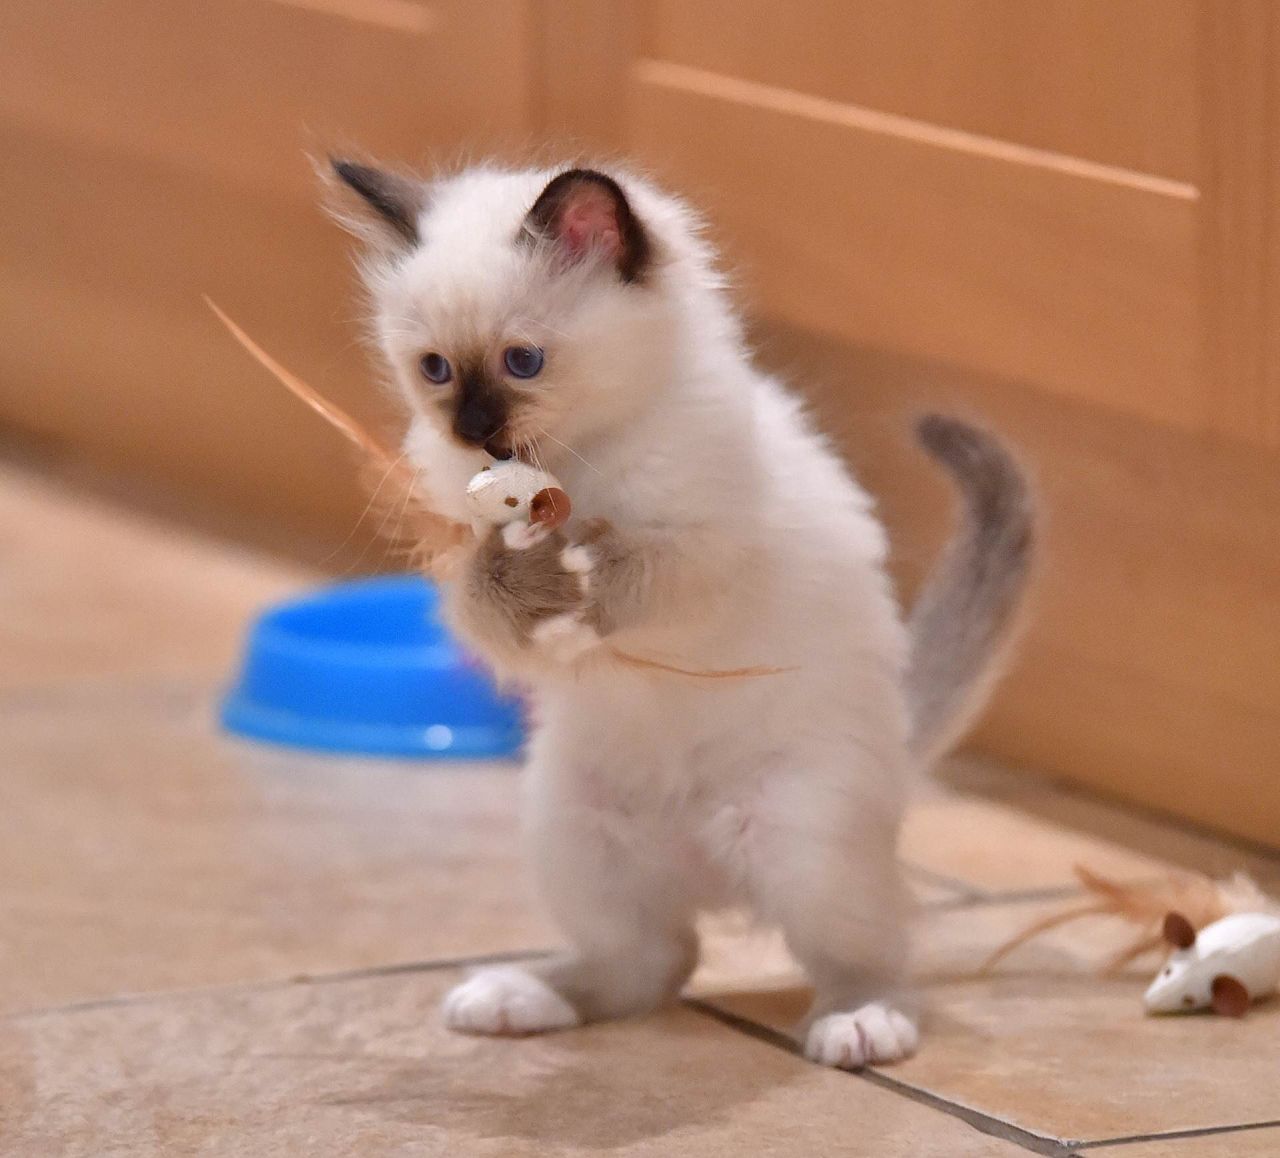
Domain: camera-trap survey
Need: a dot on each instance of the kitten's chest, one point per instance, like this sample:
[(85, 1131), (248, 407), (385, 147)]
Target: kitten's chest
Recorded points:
[(688, 823), (624, 485)]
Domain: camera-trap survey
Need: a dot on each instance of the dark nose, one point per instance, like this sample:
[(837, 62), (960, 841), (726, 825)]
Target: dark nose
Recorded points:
[(478, 418)]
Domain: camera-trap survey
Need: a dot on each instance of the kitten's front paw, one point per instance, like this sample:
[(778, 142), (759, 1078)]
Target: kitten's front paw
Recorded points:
[(565, 637), (518, 581), (875, 1034), (540, 589), (506, 1001)]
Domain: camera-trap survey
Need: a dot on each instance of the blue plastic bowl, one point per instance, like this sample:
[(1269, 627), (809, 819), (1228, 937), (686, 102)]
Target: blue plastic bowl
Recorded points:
[(368, 668)]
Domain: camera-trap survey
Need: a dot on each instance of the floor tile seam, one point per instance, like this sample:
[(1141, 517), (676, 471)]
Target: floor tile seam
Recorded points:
[(1092, 1144), (267, 985), (976, 1119)]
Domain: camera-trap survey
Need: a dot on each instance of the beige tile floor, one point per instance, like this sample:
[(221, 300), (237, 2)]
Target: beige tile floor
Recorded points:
[(212, 948)]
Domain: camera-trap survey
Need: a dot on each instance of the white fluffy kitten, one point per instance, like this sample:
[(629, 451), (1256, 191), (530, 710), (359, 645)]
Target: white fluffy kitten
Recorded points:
[(577, 318)]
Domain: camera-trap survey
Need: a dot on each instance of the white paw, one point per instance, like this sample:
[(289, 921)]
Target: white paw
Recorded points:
[(873, 1035), (518, 536), (580, 561), (564, 637), (506, 1000)]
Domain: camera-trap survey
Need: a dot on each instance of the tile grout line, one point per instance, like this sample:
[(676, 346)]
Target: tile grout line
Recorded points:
[(433, 965), (976, 1119), (963, 889), (1012, 897), (1177, 1135), (162, 688)]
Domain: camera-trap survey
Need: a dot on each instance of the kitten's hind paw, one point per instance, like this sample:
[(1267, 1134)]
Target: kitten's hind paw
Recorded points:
[(506, 1001), (875, 1034)]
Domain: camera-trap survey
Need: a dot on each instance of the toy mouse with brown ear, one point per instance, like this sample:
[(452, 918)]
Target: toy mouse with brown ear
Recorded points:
[(1226, 967), (514, 494)]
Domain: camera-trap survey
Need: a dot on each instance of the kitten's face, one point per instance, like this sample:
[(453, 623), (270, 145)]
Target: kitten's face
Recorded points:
[(520, 315)]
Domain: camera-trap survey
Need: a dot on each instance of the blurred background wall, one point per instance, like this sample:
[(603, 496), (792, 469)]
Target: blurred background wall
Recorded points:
[(1061, 217)]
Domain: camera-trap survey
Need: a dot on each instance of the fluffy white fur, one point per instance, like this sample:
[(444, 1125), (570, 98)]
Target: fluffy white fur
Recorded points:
[(648, 796)]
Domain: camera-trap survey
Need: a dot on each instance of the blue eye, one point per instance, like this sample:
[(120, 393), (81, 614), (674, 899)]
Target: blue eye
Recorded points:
[(522, 361), (435, 368)]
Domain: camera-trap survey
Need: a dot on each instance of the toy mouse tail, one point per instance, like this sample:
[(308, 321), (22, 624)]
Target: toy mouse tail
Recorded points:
[(965, 620)]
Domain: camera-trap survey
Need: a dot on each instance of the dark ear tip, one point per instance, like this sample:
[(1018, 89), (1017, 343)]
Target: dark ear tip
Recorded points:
[(575, 174), (395, 199), (592, 175), (568, 181), (347, 171), (361, 178), (545, 217)]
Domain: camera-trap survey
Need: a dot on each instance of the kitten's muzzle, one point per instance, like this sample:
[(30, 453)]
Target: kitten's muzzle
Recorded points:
[(479, 422)]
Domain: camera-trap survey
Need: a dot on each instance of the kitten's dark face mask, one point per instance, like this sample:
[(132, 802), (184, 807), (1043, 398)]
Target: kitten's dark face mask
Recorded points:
[(480, 403)]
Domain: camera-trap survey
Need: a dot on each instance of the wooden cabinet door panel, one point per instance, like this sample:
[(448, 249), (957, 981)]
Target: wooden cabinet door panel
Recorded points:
[(862, 229), (1112, 81), (1061, 217), (156, 151)]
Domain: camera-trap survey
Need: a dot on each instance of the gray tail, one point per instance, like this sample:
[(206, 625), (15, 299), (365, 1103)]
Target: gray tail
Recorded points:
[(964, 621)]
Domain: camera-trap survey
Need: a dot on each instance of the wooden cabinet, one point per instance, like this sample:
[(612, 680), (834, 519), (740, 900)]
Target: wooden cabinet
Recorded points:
[(159, 151), (1061, 216), (1043, 192)]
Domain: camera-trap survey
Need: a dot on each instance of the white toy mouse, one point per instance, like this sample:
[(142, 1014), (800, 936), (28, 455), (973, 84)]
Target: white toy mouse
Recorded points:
[(1227, 966), (513, 491)]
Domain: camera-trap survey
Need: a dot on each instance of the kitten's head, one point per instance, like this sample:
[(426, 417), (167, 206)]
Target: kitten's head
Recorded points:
[(516, 308)]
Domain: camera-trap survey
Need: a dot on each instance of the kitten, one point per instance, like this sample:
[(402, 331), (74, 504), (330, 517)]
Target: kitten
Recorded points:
[(576, 319)]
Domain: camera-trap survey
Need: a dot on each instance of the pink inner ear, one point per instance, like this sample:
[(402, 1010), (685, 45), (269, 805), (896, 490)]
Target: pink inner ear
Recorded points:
[(589, 220)]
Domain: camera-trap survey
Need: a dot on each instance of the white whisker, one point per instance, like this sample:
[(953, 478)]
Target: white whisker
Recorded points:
[(536, 455), (549, 329), (373, 498), (394, 537), (566, 446), (386, 518), (400, 522)]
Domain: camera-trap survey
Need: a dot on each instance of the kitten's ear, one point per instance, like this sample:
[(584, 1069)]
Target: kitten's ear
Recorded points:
[(386, 209), (584, 214)]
